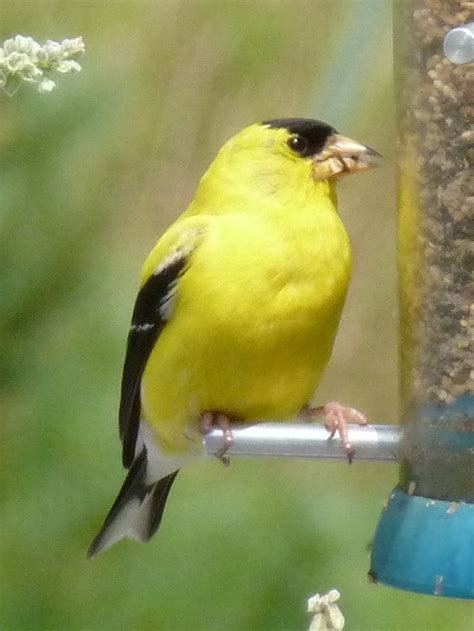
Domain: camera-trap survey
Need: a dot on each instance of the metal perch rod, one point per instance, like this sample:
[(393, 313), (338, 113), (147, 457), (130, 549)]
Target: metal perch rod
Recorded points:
[(308, 440)]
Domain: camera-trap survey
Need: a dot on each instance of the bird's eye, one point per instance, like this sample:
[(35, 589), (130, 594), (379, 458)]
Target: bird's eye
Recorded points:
[(298, 144)]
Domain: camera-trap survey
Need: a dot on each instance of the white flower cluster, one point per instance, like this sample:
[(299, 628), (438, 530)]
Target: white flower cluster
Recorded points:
[(23, 59), (327, 615)]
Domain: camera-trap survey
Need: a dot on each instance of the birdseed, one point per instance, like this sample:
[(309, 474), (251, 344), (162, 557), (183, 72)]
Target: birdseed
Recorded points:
[(436, 248)]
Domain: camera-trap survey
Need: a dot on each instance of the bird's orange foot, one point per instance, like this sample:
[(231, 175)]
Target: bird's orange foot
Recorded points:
[(336, 418), (210, 420)]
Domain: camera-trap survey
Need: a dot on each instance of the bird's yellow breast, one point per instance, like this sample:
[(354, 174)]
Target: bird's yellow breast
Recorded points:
[(254, 322)]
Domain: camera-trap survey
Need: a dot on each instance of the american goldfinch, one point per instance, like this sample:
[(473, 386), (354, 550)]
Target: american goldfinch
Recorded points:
[(237, 311)]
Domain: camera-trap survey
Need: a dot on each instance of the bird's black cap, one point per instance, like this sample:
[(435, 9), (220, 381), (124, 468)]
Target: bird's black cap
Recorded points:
[(314, 132)]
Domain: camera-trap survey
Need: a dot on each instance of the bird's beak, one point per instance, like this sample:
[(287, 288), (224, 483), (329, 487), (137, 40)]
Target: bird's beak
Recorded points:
[(342, 156)]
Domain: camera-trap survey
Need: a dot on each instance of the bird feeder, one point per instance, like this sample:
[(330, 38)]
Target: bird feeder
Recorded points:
[(425, 537)]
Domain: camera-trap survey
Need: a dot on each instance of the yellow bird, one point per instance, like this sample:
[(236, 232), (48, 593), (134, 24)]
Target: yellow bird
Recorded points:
[(238, 309)]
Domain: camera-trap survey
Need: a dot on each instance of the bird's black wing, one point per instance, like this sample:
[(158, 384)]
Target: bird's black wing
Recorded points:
[(152, 311)]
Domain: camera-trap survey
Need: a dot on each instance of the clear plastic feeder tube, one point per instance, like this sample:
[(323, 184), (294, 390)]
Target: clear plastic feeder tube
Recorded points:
[(436, 251)]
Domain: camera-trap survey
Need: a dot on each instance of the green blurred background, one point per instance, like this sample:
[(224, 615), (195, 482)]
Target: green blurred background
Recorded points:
[(90, 175)]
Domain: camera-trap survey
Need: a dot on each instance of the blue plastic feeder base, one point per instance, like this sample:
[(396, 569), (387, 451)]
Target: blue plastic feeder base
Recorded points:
[(425, 546)]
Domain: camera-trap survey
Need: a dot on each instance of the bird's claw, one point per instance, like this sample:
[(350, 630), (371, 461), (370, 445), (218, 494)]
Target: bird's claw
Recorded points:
[(209, 420), (336, 419)]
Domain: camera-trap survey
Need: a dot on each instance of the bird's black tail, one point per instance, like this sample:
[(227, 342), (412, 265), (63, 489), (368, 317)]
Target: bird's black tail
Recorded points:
[(138, 509)]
